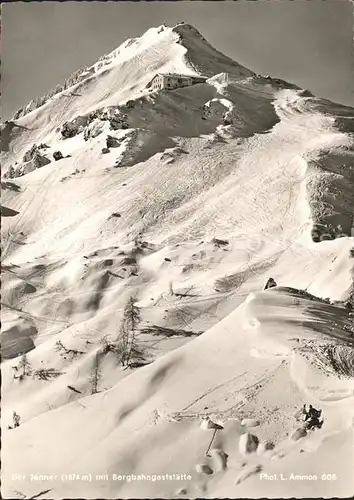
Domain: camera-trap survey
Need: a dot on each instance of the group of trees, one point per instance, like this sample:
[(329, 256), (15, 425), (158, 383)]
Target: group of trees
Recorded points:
[(125, 347), (24, 369), (11, 173), (39, 101)]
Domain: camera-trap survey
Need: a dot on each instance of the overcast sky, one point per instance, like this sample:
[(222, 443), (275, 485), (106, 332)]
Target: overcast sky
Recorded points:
[(306, 42)]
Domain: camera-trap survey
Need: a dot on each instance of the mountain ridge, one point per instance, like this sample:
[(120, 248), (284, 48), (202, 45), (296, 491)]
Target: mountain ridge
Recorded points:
[(154, 219), (181, 30)]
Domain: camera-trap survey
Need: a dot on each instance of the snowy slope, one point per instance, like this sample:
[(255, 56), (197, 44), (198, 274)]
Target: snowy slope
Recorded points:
[(243, 367), (123, 75), (189, 200)]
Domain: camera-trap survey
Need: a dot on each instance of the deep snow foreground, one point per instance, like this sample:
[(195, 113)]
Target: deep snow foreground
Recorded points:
[(201, 195), (149, 423)]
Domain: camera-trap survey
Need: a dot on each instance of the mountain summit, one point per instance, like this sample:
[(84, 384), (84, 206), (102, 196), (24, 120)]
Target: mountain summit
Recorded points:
[(181, 49), (146, 204)]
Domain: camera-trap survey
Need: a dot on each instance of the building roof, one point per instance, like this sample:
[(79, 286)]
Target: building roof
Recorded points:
[(179, 75)]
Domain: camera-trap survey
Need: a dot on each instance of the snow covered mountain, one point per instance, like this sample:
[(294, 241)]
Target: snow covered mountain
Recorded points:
[(139, 227)]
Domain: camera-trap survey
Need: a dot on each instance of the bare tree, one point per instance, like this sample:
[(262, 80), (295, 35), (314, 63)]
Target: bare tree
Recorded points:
[(109, 345), (65, 352), (46, 374), (136, 355)]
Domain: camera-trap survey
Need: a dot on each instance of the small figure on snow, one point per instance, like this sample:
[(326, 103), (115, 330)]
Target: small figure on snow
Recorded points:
[(312, 418), (16, 419), (270, 284)]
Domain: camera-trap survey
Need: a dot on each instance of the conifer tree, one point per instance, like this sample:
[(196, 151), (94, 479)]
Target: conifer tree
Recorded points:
[(128, 346)]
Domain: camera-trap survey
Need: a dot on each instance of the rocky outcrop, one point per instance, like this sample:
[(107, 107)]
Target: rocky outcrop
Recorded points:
[(248, 443), (30, 153), (93, 129), (32, 160), (95, 122), (118, 122), (58, 155), (17, 339), (68, 130), (40, 160), (7, 212), (74, 127), (112, 142)]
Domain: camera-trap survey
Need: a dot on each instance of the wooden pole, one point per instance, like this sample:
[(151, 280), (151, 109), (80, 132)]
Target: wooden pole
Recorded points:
[(211, 442)]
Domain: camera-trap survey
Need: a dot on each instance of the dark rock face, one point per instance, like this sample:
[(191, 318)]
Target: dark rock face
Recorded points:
[(18, 339), (58, 155), (118, 122), (36, 157), (112, 142), (68, 130), (7, 212), (248, 443), (130, 104), (32, 159), (29, 155), (114, 115), (74, 127), (40, 160), (271, 283), (11, 173)]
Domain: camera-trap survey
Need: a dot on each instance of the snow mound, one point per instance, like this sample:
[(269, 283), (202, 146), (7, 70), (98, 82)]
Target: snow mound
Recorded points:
[(248, 443)]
